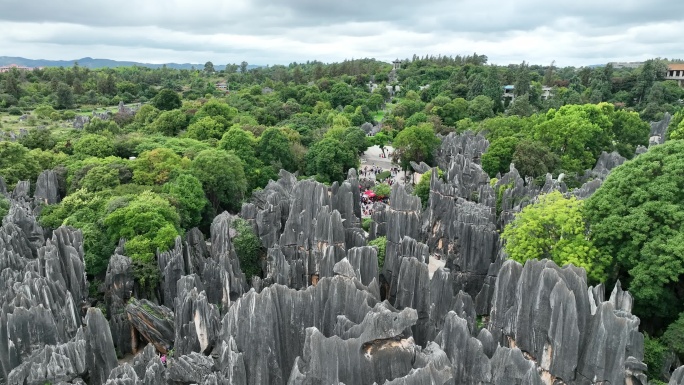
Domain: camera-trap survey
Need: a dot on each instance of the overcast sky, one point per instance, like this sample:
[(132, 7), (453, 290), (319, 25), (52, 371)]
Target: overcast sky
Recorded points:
[(571, 32)]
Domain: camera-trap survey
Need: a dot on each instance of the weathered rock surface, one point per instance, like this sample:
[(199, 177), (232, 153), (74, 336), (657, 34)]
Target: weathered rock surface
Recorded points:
[(677, 377), (100, 357), (659, 130), (196, 320), (468, 144), (47, 188), (269, 327), (119, 285), (155, 323), (547, 312), (373, 351)]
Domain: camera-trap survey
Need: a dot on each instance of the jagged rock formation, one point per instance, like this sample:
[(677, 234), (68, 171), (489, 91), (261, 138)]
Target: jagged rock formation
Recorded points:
[(119, 285), (677, 377), (153, 322), (47, 188), (323, 311), (403, 220), (269, 327), (571, 336), (658, 133), (468, 144), (196, 320), (605, 163)]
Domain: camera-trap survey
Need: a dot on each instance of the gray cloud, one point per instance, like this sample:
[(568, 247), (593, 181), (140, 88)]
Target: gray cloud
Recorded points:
[(280, 31)]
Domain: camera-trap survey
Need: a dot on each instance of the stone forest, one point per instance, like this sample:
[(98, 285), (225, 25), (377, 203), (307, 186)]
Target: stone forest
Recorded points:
[(516, 241)]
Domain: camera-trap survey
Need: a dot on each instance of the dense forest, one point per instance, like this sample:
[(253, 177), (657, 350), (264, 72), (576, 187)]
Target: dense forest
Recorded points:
[(147, 154)]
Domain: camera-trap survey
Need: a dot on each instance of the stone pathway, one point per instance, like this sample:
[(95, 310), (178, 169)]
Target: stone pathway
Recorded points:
[(372, 158)]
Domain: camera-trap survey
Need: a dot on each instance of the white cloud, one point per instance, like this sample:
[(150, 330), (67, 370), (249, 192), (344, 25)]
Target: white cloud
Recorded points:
[(281, 31)]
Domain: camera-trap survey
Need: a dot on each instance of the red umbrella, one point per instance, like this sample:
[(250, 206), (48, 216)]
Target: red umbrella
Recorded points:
[(369, 193)]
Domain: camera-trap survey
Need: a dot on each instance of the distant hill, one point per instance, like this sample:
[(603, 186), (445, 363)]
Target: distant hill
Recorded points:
[(89, 62)]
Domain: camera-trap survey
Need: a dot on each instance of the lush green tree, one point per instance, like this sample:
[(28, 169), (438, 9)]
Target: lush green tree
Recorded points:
[(64, 96), (38, 138), (242, 142), (453, 111), (100, 178), (170, 123), (273, 148), (636, 218), (629, 131), (522, 79), (99, 126), (499, 156), (422, 189), (480, 108), (44, 111), (678, 132), (569, 133), (222, 176), (417, 144), (167, 100), (247, 247), (521, 106), (209, 67), (158, 166), (382, 190), (533, 158), (95, 145), (674, 336), (654, 354), (330, 160), (84, 210), (554, 228), (355, 138), (187, 196), (205, 128), (148, 222), (381, 139), (341, 95), (219, 111), (146, 114)]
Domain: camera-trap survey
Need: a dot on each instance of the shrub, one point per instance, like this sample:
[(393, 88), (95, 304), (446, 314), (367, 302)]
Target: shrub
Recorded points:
[(381, 244), (247, 246), (366, 223)]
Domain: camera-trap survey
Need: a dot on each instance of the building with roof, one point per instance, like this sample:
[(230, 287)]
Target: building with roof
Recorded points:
[(675, 72)]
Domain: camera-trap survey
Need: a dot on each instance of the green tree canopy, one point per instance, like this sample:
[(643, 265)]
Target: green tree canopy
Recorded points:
[(167, 100), (222, 176), (84, 210), (219, 111), (170, 123), (247, 247), (330, 160), (417, 144), (240, 141), (148, 223), (158, 166), (554, 228), (187, 195), (499, 155), (95, 145), (205, 128), (273, 148), (636, 217)]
